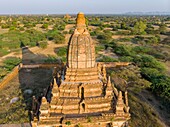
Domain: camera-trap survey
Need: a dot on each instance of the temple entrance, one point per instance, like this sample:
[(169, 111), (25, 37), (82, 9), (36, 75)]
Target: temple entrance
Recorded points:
[(83, 107), (82, 93)]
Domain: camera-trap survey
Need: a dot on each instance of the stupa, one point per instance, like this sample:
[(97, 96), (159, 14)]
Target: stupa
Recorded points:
[(81, 93), (67, 16)]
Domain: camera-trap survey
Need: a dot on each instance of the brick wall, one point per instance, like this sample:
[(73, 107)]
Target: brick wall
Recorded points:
[(9, 77)]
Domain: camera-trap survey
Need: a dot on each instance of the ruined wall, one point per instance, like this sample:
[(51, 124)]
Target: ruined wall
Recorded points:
[(14, 72), (9, 77)]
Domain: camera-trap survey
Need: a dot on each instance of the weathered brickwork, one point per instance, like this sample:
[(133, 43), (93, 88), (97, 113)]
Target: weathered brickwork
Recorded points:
[(81, 93)]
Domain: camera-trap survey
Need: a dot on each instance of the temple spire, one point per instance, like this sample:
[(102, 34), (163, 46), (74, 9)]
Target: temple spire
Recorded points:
[(81, 47), (120, 104)]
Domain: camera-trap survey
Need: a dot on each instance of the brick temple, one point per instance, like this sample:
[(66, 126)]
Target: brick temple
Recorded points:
[(82, 94)]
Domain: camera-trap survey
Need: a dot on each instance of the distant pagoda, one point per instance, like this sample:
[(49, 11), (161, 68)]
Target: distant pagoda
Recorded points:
[(82, 94), (67, 16)]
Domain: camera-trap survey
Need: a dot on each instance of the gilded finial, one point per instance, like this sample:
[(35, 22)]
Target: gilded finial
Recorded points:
[(80, 21)]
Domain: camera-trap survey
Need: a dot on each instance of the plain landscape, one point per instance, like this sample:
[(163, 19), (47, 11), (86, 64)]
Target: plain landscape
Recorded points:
[(144, 41)]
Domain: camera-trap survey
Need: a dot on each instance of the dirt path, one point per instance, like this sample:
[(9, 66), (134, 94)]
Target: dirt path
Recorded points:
[(168, 67), (69, 27), (35, 53), (122, 36)]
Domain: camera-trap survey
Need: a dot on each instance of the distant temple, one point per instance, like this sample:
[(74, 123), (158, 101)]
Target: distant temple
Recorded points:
[(81, 93), (67, 16)]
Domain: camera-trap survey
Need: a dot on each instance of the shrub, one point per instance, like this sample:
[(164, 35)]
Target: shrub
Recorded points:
[(43, 44), (61, 27), (68, 123), (148, 61), (89, 119), (12, 28), (160, 82), (104, 36), (71, 31), (152, 40), (51, 59), (59, 39), (123, 32), (65, 32), (99, 48), (11, 62), (63, 59), (141, 49), (136, 39), (162, 28), (123, 50), (139, 28), (51, 33), (62, 51), (93, 33), (3, 52), (150, 73), (5, 26), (107, 59), (124, 39), (21, 29), (126, 59), (44, 26), (3, 72)]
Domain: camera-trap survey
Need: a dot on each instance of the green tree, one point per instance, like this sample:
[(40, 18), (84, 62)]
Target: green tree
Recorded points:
[(123, 25), (162, 28), (148, 61), (62, 51), (123, 50), (139, 28), (59, 39), (44, 26), (107, 59)]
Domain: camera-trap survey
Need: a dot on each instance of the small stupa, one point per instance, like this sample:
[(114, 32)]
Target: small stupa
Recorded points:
[(67, 16)]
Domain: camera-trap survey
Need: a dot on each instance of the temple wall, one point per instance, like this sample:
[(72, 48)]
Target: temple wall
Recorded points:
[(76, 90)]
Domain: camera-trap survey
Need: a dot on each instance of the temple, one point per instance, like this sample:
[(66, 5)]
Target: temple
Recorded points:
[(81, 94)]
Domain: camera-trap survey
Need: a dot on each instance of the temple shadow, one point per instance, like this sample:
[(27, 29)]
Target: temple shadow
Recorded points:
[(34, 81), (31, 58)]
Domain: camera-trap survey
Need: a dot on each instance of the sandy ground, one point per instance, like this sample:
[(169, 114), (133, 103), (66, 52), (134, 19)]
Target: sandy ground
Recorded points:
[(121, 36), (2, 31), (168, 67), (69, 27), (36, 53)]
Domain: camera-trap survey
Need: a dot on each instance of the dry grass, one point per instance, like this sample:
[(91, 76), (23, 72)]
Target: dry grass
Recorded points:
[(142, 115), (12, 113), (36, 80)]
